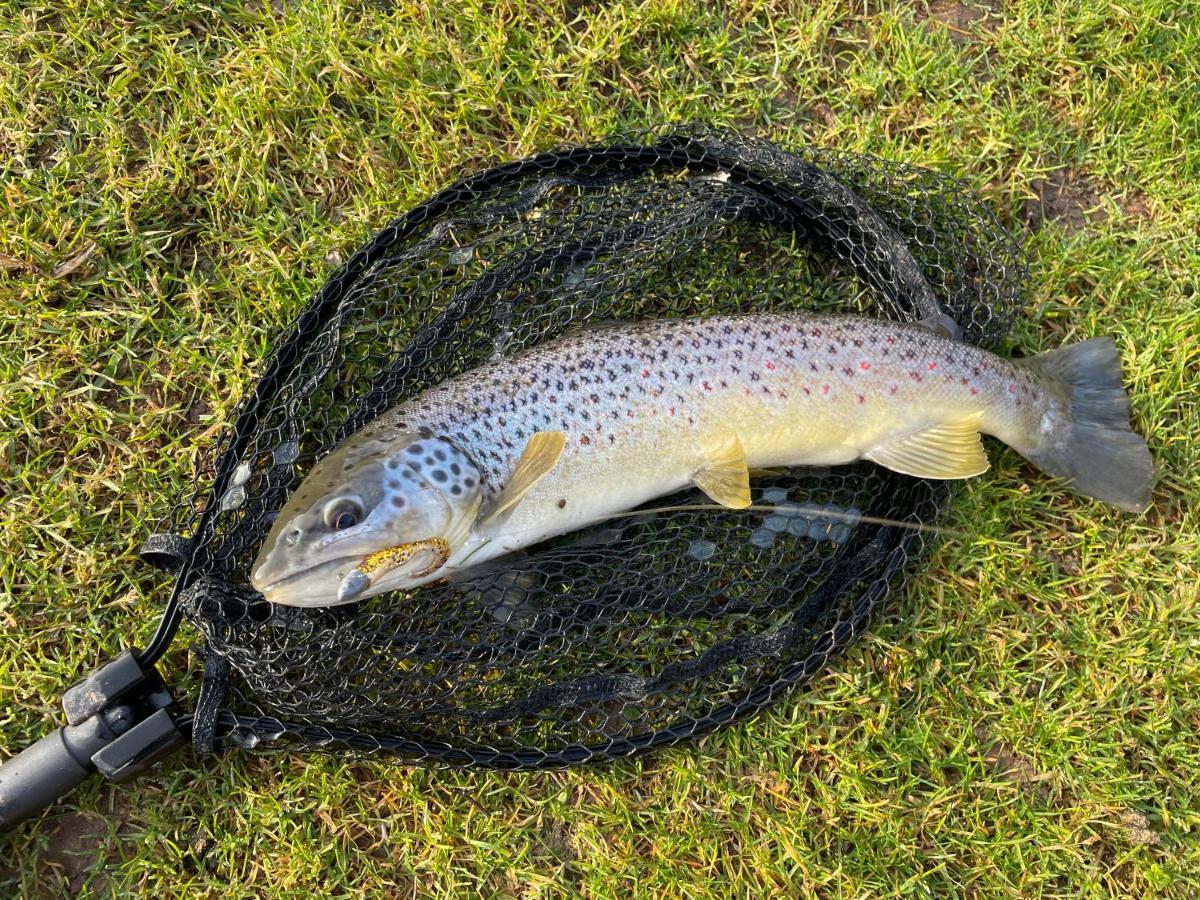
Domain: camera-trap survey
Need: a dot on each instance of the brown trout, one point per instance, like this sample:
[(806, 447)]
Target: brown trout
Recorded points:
[(598, 422)]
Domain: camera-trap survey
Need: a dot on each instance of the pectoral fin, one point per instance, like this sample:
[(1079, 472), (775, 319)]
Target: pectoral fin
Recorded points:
[(539, 457), (724, 475), (949, 450)]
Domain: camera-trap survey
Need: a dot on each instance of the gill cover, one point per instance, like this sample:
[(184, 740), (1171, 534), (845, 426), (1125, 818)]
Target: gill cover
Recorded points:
[(373, 495)]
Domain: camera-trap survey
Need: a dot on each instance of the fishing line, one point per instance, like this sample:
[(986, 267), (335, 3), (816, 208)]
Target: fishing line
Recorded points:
[(799, 509)]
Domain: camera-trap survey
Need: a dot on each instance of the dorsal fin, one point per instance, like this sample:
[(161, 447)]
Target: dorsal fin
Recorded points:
[(942, 324), (540, 456)]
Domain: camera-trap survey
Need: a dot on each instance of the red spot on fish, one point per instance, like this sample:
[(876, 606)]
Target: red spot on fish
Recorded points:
[(645, 373), (932, 365), (974, 392), (963, 380), (671, 411), (865, 366), (862, 399), (629, 412), (890, 339), (706, 385), (824, 389), (769, 366), (916, 376), (1012, 388), (584, 439), (894, 388), (553, 399)]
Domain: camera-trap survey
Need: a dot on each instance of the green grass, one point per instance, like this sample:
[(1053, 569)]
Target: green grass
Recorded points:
[(1025, 719)]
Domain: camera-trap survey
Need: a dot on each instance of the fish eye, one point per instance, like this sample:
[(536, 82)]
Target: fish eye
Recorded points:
[(342, 513)]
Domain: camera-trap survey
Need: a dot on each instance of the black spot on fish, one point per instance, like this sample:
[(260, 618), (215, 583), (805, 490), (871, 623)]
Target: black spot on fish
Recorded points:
[(455, 469), (415, 449), (439, 454), (399, 502), (562, 502), (456, 490), (394, 485), (469, 482)]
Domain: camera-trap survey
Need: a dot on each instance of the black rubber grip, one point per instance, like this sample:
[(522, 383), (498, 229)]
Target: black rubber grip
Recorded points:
[(39, 775)]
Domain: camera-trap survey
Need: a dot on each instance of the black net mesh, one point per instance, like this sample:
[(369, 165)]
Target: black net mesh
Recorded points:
[(636, 632)]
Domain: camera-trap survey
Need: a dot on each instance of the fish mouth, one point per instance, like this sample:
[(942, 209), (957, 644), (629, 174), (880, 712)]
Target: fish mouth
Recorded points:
[(351, 575), (274, 571), (281, 589)]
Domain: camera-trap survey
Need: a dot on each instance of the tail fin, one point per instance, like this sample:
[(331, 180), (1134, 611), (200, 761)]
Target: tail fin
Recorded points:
[(1092, 445)]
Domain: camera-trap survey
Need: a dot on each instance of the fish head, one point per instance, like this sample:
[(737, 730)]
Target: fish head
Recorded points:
[(372, 516)]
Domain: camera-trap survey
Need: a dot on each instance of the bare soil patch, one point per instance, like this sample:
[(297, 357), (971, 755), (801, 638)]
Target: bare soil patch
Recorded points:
[(1065, 198)]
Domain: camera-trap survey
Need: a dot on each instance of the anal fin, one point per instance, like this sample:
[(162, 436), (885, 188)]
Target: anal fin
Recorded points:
[(724, 475), (947, 450)]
